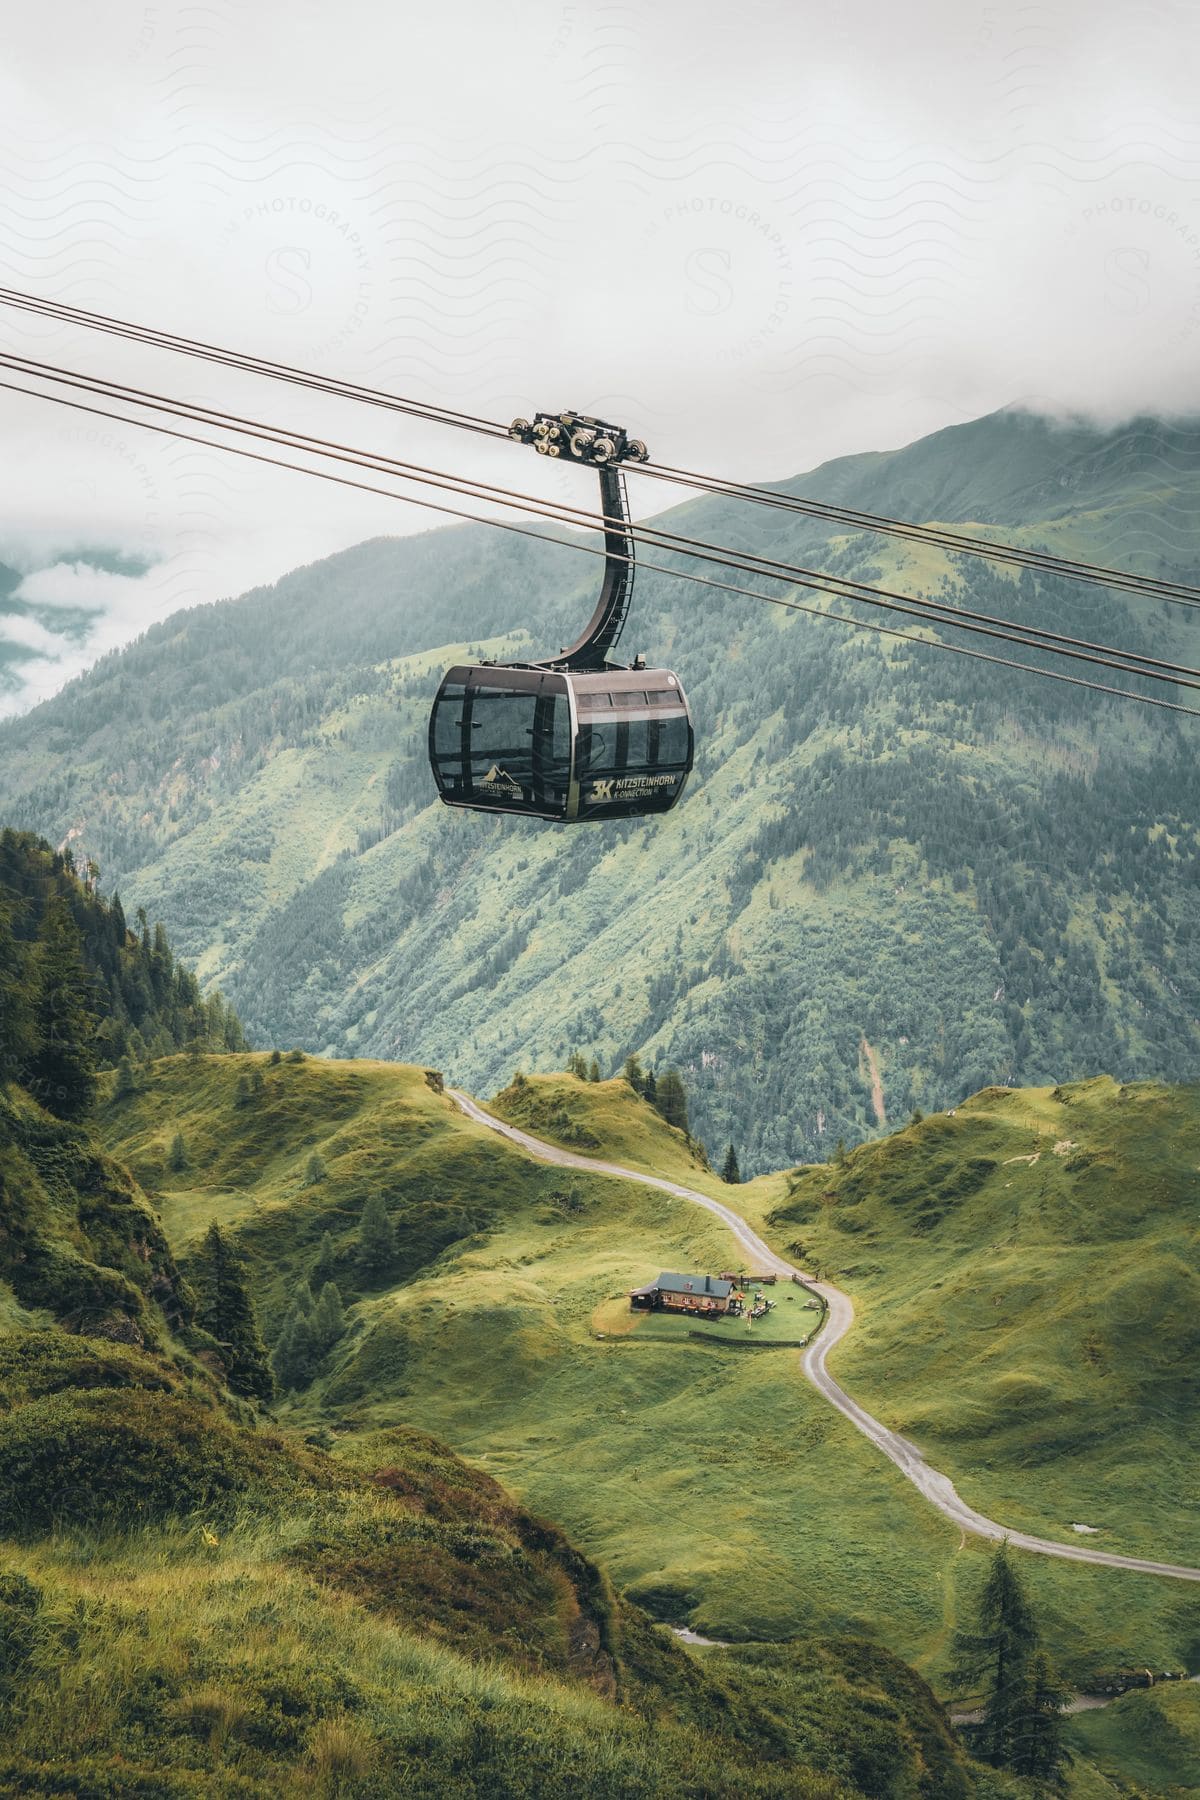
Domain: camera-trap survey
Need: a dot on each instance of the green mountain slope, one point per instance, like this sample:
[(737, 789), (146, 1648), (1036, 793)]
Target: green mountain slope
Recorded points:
[(897, 875), (78, 990), (78, 1242), (225, 1610), (193, 1601), (712, 1483), (1028, 1280), (145, 1003)]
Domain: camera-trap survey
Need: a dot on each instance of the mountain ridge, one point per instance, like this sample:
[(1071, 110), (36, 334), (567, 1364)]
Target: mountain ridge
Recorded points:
[(984, 879)]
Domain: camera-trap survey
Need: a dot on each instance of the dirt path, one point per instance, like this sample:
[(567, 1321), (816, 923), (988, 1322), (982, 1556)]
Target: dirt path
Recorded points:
[(936, 1488)]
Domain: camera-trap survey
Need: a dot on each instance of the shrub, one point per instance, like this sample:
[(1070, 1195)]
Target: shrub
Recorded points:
[(129, 1455), (45, 1362)]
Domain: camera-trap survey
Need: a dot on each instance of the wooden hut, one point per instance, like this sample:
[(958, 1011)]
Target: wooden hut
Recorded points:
[(708, 1295)]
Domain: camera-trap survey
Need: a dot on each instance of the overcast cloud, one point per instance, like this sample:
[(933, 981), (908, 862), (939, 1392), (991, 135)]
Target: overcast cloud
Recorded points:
[(760, 235)]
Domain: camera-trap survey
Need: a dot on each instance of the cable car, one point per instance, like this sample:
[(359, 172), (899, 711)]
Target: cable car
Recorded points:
[(575, 737)]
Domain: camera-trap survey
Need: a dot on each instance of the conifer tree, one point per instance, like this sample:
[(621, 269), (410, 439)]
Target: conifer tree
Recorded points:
[(376, 1240), (650, 1088), (1041, 1755), (315, 1171), (284, 1355), (329, 1318), (62, 1070), (18, 997), (295, 1354), (226, 1311), (177, 1154), (729, 1170), (999, 1652), (125, 1083), (633, 1074), (325, 1267), (577, 1066), (594, 1071), (672, 1100)]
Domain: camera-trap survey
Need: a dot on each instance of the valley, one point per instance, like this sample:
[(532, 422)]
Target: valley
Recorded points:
[(492, 1345), (284, 1582), (897, 889)]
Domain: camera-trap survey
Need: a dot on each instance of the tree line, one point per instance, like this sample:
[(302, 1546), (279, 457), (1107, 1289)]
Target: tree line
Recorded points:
[(79, 990)]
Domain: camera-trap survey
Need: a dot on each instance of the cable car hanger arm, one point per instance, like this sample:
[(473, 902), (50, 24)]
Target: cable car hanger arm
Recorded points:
[(604, 448)]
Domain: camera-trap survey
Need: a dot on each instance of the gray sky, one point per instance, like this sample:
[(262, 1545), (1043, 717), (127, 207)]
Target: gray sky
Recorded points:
[(760, 235)]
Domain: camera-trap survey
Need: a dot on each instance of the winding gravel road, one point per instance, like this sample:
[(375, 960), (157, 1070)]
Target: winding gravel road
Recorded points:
[(937, 1489)]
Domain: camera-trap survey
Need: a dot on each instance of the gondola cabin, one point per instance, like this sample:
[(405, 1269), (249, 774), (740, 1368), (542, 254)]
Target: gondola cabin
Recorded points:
[(574, 737), (559, 744)]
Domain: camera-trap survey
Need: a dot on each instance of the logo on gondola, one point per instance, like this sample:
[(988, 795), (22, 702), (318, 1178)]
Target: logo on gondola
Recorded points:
[(629, 787), (499, 781)]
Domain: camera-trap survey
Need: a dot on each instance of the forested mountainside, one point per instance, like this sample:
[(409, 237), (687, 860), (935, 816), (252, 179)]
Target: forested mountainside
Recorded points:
[(78, 986), (79, 993), (898, 875)]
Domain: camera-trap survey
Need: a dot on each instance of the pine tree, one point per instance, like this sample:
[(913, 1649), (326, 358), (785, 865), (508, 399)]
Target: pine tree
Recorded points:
[(295, 1354), (62, 1070), (1041, 1755), (325, 1267), (577, 1066), (672, 1099), (283, 1356), (650, 1088), (226, 1311), (125, 1083), (594, 1070), (276, 1056), (177, 1154), (242, 1091), (998, 1651), (315, 1171), (729, 1169), (329, 1318), (633, 1074), (376, 1240), (18, 1001)]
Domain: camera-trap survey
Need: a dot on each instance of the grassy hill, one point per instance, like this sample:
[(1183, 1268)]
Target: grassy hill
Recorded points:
[(78, 1241), (225, 1610), (709, 1480), (1027, 1280), (897, 877), (1152, 1738), (194, 1601)]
